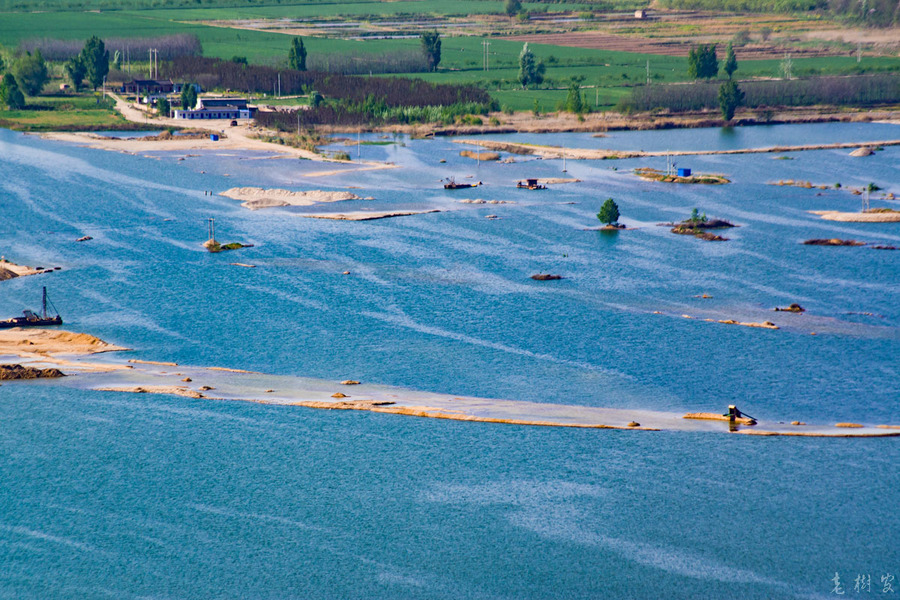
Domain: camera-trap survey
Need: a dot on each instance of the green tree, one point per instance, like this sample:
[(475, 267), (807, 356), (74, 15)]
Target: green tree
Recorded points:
[(574, 100), (31, 73), (609, 212), (10, 94), (75, 71), (512, 7), (163, 107), (730, 61), (95, 57), (730, 97), (702, 62), (2, 64), (431, 47), (239, 60), (297, 55), (530, 71), (188, 96)]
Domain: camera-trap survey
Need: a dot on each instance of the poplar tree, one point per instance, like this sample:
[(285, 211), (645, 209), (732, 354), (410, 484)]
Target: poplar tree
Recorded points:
[(730, 97), (95, 58), (10, 94), (431, 46), (530, 71), (730, 61), (297, 55)]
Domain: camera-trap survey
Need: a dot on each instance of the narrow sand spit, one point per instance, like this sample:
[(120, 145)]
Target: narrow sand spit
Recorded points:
[(369, 167), (175, 390), (556, 180), (602, 154), (238, 385), (367, 216), (256, 198), (858, 217), (28, 342), (320, 394)]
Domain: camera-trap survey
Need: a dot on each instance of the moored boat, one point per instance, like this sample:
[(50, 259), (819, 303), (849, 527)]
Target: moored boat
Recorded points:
[(453, 185)]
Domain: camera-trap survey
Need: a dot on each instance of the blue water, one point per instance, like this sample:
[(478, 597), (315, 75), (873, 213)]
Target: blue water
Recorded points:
[(118, 495)]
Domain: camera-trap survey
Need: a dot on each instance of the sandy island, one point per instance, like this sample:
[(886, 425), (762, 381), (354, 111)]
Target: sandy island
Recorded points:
[(858, 217), (256, 198)]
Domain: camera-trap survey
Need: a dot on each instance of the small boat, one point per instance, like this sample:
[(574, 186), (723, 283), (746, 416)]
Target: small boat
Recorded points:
[(530, 184), (31, 319), (452, 185)]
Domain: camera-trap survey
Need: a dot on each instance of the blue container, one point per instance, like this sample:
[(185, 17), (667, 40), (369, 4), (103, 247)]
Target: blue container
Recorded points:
[(215, 137), (684, 172)]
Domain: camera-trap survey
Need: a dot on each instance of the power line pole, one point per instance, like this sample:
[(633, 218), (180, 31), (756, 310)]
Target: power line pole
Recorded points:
[(486, 63), (648, 71)]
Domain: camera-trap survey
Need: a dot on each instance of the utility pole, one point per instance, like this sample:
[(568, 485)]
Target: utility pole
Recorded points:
[(211, 229), (279, 84), (648, 71), (486, 62), (858, 52), (150, 60)]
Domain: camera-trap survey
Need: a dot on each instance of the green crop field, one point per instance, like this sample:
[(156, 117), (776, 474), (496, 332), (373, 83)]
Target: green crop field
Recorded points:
[(607, 75)]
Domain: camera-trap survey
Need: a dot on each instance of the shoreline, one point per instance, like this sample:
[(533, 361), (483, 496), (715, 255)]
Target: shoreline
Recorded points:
[(244, 136)]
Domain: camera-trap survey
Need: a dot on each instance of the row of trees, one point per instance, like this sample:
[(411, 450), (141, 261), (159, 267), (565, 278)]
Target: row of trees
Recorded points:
[(704, 64), (168, 47), (860, 90), (395, 91), (29, 73)]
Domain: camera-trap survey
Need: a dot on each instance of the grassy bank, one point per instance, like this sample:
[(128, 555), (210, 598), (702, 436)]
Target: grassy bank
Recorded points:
[(66, 113)]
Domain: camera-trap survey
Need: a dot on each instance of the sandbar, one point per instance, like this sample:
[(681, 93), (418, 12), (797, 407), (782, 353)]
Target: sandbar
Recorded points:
[(604, 154), (30, 342), (858, 217), (368, 216), (256, 198)]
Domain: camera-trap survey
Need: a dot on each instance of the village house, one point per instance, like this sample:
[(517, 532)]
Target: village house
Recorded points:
[(217, 108)]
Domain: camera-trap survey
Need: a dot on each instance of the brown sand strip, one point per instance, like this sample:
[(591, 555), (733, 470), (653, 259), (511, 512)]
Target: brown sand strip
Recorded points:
[(814, 434), (604, 154), (367, 216), (176, 390), (705, 416), (438, 413), (152, 362)]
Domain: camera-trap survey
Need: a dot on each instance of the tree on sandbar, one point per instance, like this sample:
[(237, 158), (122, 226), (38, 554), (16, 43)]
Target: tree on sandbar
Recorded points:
[(609, 212)]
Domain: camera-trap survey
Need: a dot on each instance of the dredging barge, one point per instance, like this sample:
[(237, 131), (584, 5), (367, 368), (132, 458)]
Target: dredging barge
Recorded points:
[(31, 319)]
